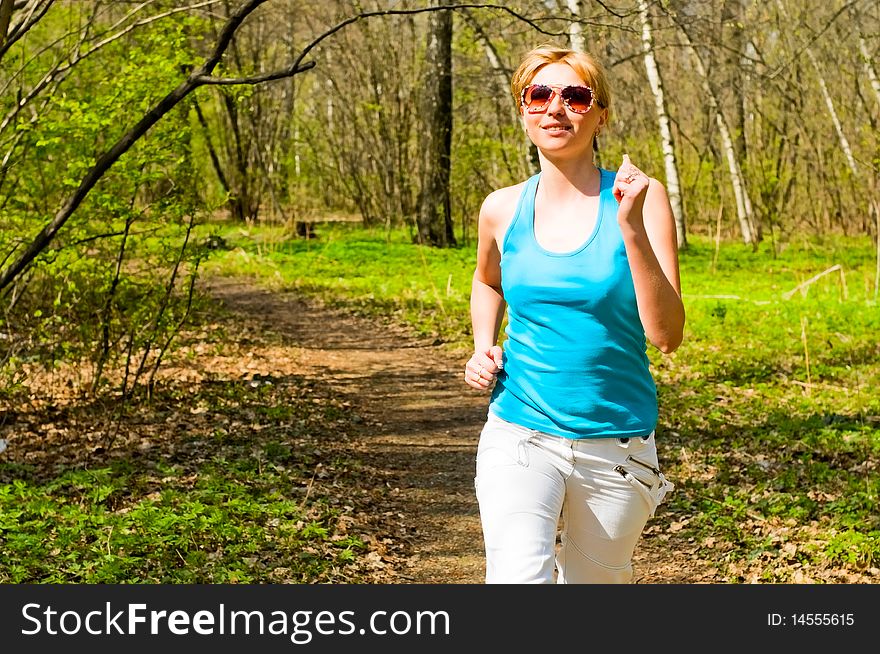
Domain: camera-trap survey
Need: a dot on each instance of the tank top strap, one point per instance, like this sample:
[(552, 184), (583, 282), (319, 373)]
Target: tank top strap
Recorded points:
[(606, 187), (607, 202), (525, 209)]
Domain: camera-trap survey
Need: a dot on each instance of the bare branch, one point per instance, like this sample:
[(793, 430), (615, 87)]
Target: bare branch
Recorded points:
[(33, 11), (297, 66), (290, 71), (404, 12), (814, 38), (6, 7)]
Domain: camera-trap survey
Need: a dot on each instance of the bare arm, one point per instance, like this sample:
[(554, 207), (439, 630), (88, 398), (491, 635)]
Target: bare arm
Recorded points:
[(487, 299), (648, 228)]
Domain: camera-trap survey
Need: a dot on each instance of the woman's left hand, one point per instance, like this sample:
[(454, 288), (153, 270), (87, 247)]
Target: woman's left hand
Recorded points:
[(630, 189)]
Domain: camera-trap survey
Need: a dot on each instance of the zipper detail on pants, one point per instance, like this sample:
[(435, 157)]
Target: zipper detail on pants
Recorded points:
[(626, 475), (648, 466)]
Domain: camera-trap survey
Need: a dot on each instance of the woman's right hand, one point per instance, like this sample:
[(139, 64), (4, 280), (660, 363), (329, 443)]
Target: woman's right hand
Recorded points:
[(482, 368)]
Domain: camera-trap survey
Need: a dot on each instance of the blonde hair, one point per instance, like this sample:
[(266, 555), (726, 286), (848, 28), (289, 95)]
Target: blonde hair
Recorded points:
[(582, 63)]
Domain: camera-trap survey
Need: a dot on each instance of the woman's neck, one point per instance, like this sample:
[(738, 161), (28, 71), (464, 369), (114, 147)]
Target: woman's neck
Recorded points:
[(561, 179)]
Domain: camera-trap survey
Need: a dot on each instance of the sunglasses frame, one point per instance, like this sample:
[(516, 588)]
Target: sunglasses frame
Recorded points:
[(557, 89)]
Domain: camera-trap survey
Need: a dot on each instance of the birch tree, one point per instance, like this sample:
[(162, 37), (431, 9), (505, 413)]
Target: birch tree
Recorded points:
[(829, 102), (575, 32), (668, 144), (744, 212), (868, 64), (501, 76)]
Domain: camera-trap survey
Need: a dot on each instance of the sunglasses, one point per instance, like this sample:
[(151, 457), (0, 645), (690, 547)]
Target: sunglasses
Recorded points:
[(536, 97)]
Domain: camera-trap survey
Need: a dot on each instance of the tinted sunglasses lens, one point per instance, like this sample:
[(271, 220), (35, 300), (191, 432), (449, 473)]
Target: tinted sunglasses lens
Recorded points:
[(578, 98), (537, 96)]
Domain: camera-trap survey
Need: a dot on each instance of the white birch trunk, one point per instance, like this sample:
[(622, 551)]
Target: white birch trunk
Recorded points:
[(673, 186), (829, 103), (502, 77), (740, 191), (875, 209), (575, 33), (838, 127), (869, 68), (503, 80)]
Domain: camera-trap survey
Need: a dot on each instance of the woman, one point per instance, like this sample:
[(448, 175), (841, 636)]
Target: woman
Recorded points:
[(585, 261)]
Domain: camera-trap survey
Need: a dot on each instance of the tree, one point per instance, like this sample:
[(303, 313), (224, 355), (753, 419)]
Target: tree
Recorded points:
[(435, 226), (748, 228), (669, 159)]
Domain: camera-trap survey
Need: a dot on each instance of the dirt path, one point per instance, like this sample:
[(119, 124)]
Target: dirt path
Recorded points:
[(419, 424)]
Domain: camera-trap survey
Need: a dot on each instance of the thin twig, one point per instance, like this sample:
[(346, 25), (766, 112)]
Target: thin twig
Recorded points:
[(809, 385), (810, 281)]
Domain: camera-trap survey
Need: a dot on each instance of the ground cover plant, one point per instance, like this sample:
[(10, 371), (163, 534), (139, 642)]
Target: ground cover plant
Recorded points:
[(147, 436), (221, 477)]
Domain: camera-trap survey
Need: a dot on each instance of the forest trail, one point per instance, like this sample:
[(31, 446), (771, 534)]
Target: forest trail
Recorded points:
[(418, 423)]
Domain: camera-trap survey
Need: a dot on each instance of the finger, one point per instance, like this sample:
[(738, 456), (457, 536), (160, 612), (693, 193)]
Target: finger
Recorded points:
[(483, 362), (625, 160), (475, 381), (497, 355), (629, 174), (474, 374), (483, 374)]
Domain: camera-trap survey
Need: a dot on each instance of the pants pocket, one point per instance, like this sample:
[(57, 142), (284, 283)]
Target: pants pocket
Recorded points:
[(647, 479), (501, 444)]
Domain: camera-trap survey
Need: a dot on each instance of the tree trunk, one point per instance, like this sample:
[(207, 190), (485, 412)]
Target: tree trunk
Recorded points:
[(435, 211), (838, 127), (733, 18), (869, 67), (829, 103), (502, 76), (5, 17), (740, 191), (673, 185), (575, 33)]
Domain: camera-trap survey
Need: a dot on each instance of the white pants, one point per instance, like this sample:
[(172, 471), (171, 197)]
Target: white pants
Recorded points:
[(604, 489)]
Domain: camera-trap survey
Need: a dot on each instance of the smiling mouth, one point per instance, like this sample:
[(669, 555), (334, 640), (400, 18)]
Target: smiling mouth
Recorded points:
[(556, 128)]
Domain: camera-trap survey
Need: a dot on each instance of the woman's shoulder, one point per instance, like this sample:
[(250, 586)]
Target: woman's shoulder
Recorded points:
[(501, 203)]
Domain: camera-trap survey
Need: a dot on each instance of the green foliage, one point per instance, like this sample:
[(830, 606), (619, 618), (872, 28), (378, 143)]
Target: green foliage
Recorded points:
[(93, 526), (350, 267), (769, 419), (237, 506), (112, 286)]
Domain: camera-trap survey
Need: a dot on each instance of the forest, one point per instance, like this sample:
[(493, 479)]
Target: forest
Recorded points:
[(156, 427)]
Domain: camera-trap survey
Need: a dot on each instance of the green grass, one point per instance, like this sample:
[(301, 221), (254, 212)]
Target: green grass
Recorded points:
[(229, 526), (225, 495), (369, 271), (770, 418)]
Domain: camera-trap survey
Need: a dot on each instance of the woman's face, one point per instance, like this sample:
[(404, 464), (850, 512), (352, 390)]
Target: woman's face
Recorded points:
[(557, 129)]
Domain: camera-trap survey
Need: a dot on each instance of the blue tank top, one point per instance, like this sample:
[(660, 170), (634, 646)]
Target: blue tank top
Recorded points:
[(575, 361)]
